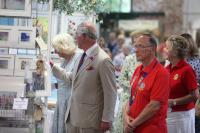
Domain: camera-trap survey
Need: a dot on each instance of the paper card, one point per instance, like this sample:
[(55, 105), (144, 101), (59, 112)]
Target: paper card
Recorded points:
[(21, 51), (20, 103), (12, 51), (41, 43)]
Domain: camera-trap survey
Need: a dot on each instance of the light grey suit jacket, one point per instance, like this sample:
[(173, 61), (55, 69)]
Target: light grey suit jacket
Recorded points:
[(94, 93)]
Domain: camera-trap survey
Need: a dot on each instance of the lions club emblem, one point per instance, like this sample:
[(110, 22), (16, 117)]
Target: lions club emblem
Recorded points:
[(175, 76), (142, 86)]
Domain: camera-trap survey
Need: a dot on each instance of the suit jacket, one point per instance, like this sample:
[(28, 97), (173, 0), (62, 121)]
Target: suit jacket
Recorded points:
[(94, 93)]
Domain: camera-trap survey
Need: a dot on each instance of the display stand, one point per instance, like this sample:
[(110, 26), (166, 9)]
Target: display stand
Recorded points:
[(17, 52)]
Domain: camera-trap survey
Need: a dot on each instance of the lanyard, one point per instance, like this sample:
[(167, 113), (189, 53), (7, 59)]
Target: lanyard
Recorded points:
[(139, 81)]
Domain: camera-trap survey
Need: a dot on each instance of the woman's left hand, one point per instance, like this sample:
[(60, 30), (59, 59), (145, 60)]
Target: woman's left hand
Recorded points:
[(170, 102)]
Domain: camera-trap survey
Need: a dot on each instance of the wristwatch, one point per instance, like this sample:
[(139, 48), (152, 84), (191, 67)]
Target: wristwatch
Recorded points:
[(174, 102)]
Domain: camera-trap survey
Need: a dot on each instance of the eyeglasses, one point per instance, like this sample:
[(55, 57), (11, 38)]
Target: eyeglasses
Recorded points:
[(141, 46)]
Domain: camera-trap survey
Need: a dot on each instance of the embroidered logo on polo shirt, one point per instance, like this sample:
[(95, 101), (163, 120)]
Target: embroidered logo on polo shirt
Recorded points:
[(142, 86), (175, 77)]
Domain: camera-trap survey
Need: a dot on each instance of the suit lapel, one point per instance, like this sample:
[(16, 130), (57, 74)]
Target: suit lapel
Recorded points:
[(90, 58)]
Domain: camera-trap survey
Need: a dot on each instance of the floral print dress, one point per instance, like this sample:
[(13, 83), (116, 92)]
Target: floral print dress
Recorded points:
[(127, 71)]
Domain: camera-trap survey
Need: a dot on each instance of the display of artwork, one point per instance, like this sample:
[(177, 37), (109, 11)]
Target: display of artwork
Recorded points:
[(6, 65), (21, 51), (17, 36), (38, 79), (4, 36), (31, 52), (12, 51), (3, 64), (16, 8), (13, 4), (21, 61), (42, 27), (7, 99), (3, 51), (25, 37)]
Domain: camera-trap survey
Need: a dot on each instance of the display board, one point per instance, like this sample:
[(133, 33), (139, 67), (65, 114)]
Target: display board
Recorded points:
[(17, 36), (15, 8)]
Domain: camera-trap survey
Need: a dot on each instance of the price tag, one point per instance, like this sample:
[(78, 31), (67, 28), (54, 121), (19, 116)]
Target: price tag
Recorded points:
[(20, 103)]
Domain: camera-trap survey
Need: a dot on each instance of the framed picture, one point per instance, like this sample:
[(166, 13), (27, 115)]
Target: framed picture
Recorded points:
[(17, 36), (21, 61), (4, 37), (6, 65), (3, 51), (7, 99), (38, 79), (26, 37), (15, 8), (15, 85), (21, 51), (13, 51), (31, 52)]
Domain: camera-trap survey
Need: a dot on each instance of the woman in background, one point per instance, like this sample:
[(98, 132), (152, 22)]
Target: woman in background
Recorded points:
[(65, 47), (194, 60), (183, 87)]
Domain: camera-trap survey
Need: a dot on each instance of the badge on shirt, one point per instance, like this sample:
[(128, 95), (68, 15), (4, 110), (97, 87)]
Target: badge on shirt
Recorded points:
[(175, 76), (142, 85)]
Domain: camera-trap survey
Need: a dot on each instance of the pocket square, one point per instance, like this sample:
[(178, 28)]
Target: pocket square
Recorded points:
[(90, 68)]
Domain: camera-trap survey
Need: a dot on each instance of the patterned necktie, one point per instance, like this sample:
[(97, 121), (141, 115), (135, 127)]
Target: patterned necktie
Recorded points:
[(81, 61)]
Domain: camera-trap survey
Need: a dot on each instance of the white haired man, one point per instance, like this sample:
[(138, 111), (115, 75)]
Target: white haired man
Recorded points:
[(91, 105)]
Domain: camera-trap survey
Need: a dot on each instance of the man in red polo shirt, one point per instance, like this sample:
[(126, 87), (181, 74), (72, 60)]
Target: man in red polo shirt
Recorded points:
[(147, 108)]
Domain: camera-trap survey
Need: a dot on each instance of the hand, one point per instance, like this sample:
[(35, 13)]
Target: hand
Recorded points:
[(132, 124), (170, 102), (105, 126), (51, 63), (127, 124)]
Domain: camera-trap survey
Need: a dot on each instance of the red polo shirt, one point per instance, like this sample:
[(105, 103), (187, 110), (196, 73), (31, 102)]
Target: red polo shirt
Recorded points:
[(154, 86), (182, 82)]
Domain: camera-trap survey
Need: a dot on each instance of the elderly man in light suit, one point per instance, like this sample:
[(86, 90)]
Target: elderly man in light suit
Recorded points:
[(92, 102)]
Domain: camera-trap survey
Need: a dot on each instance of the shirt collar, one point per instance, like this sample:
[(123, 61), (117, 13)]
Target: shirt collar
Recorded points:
[(89, 51), (179, 64), (150, 67)]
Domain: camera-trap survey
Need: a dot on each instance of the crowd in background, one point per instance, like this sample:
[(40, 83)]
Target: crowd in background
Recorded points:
[(178, 54), (125, 62)]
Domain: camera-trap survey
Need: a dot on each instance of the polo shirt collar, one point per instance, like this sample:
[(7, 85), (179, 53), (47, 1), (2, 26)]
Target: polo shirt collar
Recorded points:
[(150, 67), (181, 63)]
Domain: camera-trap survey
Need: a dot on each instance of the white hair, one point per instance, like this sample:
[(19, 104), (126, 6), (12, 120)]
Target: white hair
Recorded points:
[(64, 43)]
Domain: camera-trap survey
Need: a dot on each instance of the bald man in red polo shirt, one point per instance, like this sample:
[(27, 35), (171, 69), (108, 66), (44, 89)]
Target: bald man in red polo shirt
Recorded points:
[(147, 108)]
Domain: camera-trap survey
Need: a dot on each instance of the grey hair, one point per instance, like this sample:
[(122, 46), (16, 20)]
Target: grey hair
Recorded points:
[(87, 31), (179, 45), (64, 43), (152, 40)]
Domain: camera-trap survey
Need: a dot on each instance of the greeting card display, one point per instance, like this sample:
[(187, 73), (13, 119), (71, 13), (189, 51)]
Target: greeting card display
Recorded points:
[(21, 61), (6, 65), (17, 37), (15, 8)]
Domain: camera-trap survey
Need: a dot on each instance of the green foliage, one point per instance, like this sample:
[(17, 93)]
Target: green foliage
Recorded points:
[(84, 6)]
